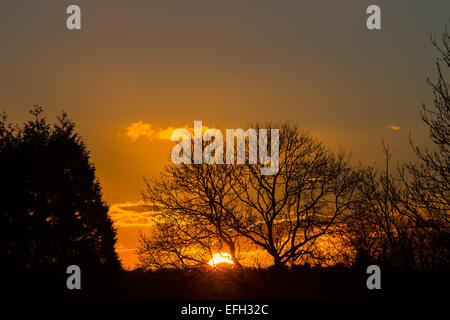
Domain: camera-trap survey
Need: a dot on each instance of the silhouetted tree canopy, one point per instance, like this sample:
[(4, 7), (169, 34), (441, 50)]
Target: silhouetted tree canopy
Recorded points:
[(51, 208)]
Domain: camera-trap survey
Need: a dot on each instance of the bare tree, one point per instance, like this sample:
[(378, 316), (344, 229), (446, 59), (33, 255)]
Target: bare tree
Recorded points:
[(283, 214), (432, 173), (389, 231), (286, 213), (189, 202), (427, 200)]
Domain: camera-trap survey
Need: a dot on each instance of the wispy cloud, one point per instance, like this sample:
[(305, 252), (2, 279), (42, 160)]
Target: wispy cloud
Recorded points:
[(144, 129), (131, 214), (394, 127), (121, 248)]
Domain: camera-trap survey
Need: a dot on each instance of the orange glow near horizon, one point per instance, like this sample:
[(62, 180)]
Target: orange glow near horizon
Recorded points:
[(219, 258)]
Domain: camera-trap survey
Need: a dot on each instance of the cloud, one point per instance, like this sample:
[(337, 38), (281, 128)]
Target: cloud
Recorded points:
[(140, 129), (394, 127), (166, 134), (149, 131), (121, 248), (131, 214)]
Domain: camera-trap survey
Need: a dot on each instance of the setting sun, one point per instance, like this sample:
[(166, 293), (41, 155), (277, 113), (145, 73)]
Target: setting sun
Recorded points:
[(220, 258)]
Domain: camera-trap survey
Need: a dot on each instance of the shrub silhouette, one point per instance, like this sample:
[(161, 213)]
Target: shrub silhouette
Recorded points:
[(51, 208)]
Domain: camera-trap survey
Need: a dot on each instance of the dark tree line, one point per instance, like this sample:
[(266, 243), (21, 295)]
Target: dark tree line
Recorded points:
[(396, 218), (51, 209)]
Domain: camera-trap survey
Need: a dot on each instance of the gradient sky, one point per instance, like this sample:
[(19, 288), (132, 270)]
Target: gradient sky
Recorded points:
[(167, 63)]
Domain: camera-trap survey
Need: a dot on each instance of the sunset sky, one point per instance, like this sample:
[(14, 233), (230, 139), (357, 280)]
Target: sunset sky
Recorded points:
[(138, 69)]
